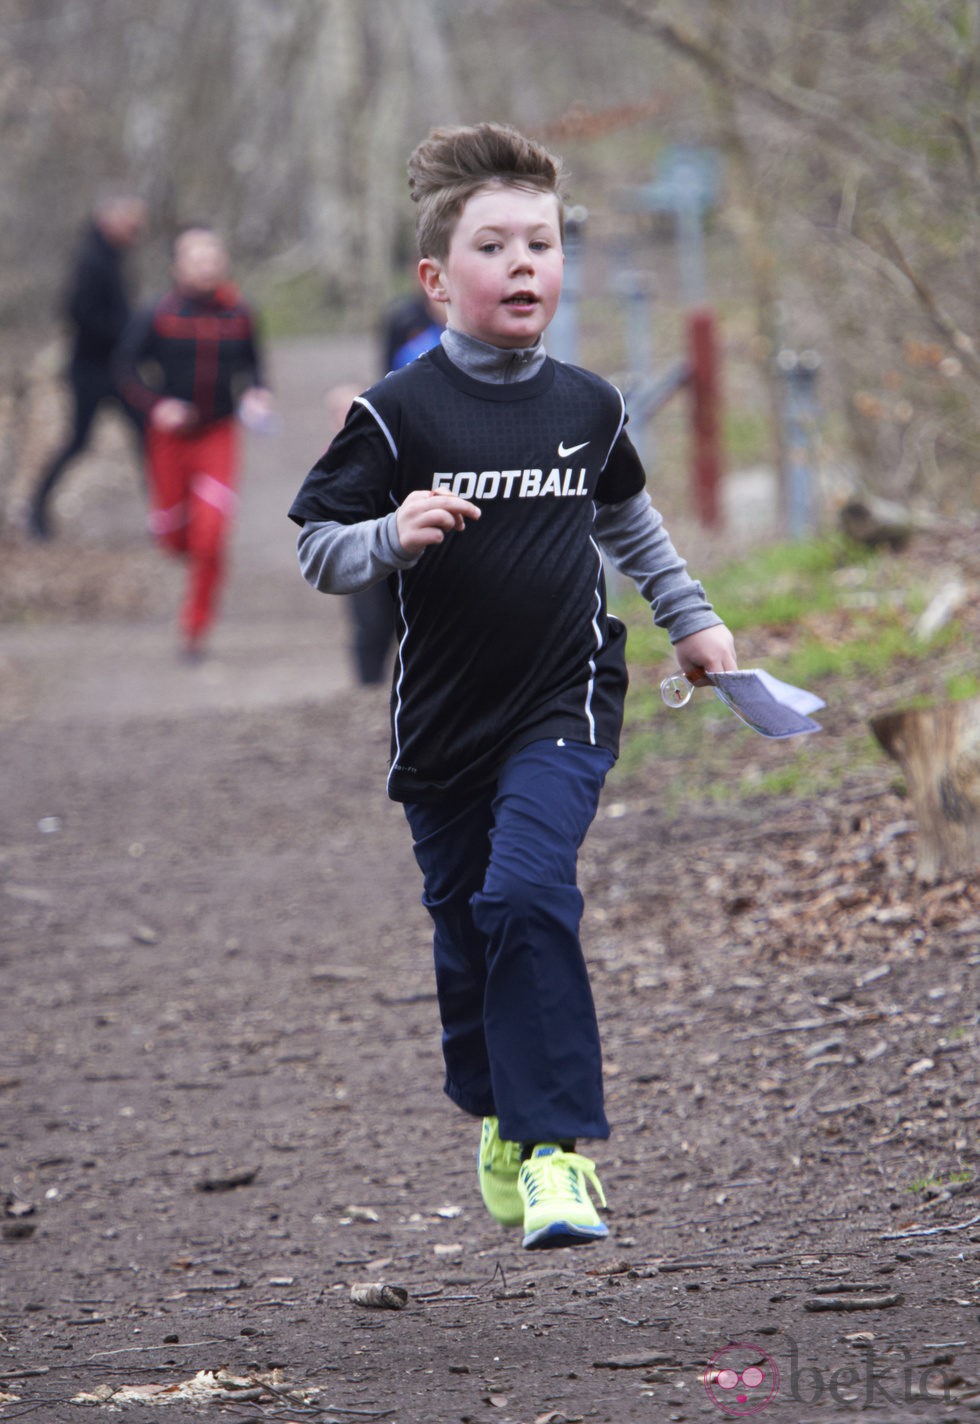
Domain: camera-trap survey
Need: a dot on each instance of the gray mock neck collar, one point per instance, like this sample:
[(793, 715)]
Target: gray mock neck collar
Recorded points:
[(495, 364)]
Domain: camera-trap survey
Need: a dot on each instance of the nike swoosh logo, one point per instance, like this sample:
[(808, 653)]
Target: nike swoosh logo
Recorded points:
[(572, 449)]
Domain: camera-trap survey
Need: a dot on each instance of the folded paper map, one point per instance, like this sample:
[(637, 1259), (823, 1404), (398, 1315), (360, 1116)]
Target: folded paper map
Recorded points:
[(768, 706)]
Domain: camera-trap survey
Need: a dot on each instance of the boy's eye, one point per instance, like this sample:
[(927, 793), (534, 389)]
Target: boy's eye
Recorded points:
[(540, 245), (489, 246)]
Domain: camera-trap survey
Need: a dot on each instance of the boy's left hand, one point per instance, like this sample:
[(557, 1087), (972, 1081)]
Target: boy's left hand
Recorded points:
[(711, 650)]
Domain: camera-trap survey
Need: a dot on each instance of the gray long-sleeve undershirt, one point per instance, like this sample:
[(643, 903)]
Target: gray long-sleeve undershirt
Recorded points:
[(345, 558)]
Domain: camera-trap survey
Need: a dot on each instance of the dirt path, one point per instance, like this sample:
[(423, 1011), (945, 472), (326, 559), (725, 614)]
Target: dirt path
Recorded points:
[(220, 1076)]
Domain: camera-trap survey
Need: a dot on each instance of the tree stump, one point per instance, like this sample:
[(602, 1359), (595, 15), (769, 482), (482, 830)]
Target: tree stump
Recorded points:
[(938, 749)]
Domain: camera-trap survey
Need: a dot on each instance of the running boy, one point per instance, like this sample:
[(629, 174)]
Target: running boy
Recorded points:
[(481, 481), (188, 362)]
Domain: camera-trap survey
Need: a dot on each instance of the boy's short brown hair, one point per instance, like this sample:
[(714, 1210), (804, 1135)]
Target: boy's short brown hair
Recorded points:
[(452, 164)]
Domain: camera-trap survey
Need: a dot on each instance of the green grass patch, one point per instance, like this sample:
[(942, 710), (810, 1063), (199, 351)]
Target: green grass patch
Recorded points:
[(960, 686), (783, 583), (936, 1183), (824, 614)]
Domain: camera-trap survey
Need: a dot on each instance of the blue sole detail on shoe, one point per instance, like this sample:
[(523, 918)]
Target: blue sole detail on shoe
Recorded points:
[(562, 1233)]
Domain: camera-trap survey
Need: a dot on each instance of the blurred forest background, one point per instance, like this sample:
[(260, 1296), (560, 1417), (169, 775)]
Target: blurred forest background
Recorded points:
[(847, 220)]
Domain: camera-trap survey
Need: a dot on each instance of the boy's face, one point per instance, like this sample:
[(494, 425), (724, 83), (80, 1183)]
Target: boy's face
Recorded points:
[(501, 279), (200, 262)]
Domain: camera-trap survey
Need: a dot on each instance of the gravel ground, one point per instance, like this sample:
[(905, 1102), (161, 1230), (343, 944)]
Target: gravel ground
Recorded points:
[(220, 1080)]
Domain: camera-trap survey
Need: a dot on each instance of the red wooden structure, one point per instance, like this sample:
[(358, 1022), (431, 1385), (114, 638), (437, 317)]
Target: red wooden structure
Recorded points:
[(705, 387)]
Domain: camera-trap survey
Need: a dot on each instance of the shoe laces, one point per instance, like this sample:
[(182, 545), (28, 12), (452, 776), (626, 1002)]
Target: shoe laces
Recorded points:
[(562, 1172), (500, 1155)]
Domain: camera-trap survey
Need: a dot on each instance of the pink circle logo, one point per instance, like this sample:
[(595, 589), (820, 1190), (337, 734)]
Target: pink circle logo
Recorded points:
[(741, 1379)]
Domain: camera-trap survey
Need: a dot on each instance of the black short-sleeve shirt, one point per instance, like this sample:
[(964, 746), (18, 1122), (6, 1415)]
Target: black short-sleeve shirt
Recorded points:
[(503, 633)]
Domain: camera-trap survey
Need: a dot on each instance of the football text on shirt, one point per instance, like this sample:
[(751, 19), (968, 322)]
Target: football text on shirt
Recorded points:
[(512, 484)]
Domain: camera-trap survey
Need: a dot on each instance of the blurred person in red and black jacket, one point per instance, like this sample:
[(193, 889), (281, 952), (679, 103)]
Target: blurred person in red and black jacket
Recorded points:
[(191, 363)]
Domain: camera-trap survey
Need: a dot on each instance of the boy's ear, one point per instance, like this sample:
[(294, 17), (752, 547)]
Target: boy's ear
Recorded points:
[(430, 275)]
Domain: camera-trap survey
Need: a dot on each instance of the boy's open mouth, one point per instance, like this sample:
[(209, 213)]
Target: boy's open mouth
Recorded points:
[(521, 299)]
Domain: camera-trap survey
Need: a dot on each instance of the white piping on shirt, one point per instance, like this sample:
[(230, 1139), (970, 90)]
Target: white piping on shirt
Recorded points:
[(359, 400), (598, 642), (396, 719), (622, 422), (396, 715)]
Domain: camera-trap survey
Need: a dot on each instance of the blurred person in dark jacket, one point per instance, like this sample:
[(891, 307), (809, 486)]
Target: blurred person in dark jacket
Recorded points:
[(97, 307)]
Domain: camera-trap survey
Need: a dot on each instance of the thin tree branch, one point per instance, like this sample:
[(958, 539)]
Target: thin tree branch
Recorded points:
[(895, 266), (961, 131), (821, 111)]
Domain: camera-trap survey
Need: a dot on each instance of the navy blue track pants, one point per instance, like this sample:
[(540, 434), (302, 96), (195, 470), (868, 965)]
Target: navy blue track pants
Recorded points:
[(520, 1037)]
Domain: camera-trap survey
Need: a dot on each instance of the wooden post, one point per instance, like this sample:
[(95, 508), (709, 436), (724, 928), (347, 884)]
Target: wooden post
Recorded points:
[(705, 417), (938, 749)]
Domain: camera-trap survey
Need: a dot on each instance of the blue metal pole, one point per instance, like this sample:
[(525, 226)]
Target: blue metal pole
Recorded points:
[(690, 235), (800, 425), (635, 294)]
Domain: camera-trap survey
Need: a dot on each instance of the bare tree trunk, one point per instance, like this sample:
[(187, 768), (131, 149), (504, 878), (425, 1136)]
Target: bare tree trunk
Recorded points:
[(430, 50), (383, 145), (938, 749), (359, 103), (13, 419), (332, 102)]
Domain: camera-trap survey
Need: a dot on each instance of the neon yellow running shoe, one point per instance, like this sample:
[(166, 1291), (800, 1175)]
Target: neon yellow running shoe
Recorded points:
[(558, 1210), (497, 1166)]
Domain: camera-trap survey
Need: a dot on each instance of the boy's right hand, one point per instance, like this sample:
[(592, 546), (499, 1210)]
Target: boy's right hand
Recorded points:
[(427, 516), (172, 415)]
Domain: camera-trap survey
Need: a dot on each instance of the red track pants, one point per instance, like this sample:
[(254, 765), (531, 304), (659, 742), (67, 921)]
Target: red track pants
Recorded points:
[(192, 502)]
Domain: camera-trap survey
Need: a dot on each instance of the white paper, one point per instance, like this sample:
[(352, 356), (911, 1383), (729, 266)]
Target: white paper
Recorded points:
[(770, 707)]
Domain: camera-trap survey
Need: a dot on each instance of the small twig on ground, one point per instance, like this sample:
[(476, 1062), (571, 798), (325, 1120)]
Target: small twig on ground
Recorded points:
[(928, 1230), (854, 1302), (21, 1411), (148, 1349), (293, 1398), (498, 1270), (817, 1088), (807, 1026)]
